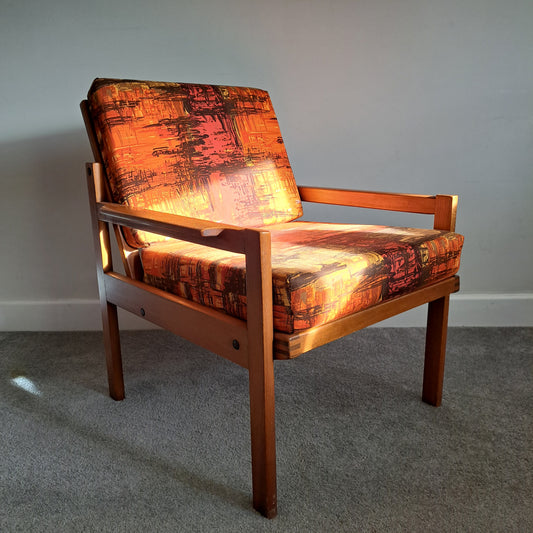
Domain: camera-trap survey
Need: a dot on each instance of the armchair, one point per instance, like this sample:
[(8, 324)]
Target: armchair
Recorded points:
[(197, 185)]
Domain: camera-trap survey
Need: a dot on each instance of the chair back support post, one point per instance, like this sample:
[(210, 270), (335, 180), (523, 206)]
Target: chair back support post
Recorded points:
[(102, 241), (261, 370), (129, 256), (104, 263)]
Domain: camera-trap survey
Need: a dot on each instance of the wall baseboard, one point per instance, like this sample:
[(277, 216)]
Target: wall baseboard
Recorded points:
[(475, 310)]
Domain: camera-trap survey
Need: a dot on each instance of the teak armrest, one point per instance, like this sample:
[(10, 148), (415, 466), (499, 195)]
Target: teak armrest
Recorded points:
[(443, 207), (223, 236)]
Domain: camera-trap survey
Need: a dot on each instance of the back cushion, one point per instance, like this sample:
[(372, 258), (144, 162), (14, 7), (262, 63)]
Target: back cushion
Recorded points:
[(202, 151)]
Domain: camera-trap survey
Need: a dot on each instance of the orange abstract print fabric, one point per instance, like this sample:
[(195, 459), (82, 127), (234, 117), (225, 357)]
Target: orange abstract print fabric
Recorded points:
[(321, 271), (202, 151)]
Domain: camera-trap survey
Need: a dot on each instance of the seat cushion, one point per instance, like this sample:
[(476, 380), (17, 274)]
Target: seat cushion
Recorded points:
[(320, 271), (202, 151)]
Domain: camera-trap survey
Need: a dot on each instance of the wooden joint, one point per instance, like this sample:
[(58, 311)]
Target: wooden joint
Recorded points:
[(445, 212)]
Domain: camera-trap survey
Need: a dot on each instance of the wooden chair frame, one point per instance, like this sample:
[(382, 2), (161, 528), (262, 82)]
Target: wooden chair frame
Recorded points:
[(252, 344)]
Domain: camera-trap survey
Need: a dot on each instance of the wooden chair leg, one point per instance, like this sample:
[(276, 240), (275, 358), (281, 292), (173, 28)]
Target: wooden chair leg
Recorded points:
[(263, 439), (261, 371), (112, 351), (437, 328)]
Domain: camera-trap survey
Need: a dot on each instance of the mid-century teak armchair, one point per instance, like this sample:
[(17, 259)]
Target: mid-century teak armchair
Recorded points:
[(196, 182)]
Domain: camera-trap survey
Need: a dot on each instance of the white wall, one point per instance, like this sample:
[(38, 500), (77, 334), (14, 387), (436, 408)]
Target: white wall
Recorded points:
[(414, 96)]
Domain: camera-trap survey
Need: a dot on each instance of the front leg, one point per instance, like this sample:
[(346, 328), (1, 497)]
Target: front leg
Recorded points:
[(261, 371)]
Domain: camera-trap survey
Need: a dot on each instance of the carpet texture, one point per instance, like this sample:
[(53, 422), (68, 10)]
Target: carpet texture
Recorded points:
[(357, 449)]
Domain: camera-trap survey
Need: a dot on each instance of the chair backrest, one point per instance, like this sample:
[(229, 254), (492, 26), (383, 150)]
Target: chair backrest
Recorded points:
[(204, 151)]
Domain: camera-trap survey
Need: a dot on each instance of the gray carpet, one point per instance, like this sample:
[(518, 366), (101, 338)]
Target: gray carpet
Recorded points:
[(357, 449)]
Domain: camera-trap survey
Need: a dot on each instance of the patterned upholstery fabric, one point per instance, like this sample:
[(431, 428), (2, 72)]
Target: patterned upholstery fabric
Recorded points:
[(203, 151), (320, 271)]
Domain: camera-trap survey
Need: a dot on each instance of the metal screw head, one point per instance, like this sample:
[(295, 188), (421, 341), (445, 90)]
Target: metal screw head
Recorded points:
[(236, 344), (143, 312)]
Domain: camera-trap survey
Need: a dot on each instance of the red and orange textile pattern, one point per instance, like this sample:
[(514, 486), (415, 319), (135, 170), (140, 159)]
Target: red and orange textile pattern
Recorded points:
[(203, 151), (321, 271)]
